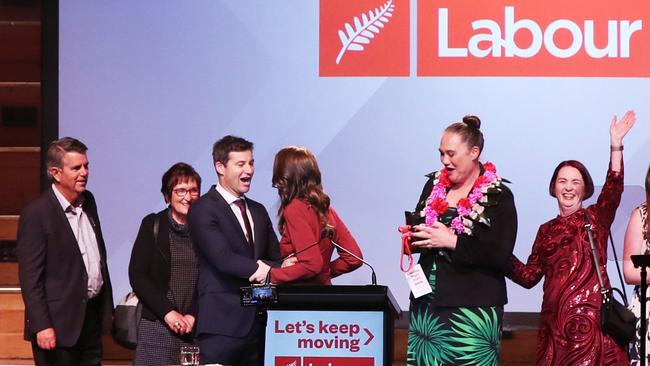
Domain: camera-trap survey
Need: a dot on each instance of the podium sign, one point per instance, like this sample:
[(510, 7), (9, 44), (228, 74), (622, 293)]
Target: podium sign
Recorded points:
[(324, 338), (330, 326)]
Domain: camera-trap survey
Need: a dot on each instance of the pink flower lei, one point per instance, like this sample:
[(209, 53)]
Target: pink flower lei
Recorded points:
[(469, 209)]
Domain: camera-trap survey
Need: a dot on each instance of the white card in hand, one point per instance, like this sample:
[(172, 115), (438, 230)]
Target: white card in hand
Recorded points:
[(418, 281)]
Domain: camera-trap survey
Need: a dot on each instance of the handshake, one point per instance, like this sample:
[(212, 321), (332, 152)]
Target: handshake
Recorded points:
[(261, 292), (262, 272)]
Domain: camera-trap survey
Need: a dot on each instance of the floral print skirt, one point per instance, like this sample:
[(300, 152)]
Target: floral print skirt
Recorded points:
[(453, 335)]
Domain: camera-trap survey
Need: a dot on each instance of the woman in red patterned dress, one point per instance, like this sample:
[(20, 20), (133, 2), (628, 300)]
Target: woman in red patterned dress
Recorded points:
[(569, 329)]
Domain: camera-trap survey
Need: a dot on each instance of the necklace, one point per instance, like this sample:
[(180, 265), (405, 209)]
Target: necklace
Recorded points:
[(469, 209)]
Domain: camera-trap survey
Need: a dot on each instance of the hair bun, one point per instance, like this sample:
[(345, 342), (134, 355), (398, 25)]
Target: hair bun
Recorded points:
[(472, 121)]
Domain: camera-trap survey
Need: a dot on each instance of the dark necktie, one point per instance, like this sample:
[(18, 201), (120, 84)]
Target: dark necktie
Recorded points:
[(242, 207)]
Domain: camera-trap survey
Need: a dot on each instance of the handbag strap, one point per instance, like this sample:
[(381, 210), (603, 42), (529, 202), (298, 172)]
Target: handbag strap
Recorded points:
[(594, 255), (618, 269), (156, 225)]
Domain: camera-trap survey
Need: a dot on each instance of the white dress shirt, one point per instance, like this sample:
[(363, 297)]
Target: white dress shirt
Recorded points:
[(83, 231), (230, 199)]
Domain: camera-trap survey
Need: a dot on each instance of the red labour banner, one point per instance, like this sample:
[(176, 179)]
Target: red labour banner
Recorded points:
[(533, 38)]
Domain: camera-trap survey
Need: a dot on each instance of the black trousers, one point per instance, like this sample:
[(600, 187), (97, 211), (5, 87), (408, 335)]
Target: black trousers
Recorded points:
[(88, 349), (226, 350)]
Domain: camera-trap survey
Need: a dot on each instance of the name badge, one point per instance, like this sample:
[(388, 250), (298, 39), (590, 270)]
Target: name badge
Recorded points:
[(417, 281)]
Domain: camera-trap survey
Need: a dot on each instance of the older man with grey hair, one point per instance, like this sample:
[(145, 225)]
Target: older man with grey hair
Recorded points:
[(62, 264)]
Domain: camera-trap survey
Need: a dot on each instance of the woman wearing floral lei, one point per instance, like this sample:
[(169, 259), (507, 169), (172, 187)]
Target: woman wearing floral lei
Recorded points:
[(469, 231)]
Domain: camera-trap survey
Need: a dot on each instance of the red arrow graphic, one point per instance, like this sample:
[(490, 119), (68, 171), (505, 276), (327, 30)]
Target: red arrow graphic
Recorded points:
[(370, 336)]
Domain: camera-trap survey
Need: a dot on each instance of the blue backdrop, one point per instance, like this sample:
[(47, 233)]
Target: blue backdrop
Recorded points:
[(148, 83)]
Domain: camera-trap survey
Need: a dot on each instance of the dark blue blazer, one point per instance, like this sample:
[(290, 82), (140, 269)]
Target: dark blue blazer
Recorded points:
[(53, 276), (226, 261)]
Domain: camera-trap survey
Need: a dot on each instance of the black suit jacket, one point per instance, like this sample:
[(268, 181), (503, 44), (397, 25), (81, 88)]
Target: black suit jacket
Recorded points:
[(53, 277), (226, 261), (150, 268)]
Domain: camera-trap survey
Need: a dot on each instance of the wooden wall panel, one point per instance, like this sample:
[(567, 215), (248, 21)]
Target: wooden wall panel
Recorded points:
[(12, 345), (20, 10), (8, 276), (12, 312), (19, 184), (8, 227), (20, 94), (20, 51)]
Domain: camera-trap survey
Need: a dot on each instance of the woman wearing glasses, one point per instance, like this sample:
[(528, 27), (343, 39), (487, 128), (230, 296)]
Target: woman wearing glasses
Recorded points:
[(163, 272)]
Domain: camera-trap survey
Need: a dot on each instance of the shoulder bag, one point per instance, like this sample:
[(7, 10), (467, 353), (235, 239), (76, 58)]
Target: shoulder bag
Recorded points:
[(616, 320)]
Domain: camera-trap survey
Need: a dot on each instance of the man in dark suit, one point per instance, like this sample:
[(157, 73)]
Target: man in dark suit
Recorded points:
[(235, 245), (62, 264)]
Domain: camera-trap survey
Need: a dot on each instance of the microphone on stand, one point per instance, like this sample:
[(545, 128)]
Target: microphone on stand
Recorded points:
[(329, 232)]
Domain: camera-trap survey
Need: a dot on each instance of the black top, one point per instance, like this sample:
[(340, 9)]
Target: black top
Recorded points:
[(150, 268), (473, 273), (184, 270)]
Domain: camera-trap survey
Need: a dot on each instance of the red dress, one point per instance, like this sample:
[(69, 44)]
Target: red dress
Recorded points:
[(315, 265), (569, 329)]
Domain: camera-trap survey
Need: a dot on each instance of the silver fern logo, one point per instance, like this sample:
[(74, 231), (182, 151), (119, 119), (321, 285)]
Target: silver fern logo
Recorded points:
[(364, 30)]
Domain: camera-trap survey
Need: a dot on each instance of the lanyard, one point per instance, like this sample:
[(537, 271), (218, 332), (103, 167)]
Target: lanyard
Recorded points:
[(406, 248)]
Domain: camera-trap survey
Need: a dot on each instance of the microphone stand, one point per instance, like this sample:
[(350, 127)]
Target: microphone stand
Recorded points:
[(328, 232), (642, 261), (324, 233), (338, 246)]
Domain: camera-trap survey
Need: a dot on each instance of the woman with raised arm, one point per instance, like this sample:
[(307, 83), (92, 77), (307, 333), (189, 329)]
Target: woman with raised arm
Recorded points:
[(569, 330)]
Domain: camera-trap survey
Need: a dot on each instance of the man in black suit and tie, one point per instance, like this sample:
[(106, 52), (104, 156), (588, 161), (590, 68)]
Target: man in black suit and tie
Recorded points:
[(235, 245), (62, 264)]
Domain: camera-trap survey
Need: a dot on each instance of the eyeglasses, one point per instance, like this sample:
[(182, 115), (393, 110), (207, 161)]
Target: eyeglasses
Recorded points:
[(182, 192)]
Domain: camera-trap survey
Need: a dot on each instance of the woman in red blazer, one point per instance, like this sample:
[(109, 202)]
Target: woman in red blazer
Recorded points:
[(305, 215)]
